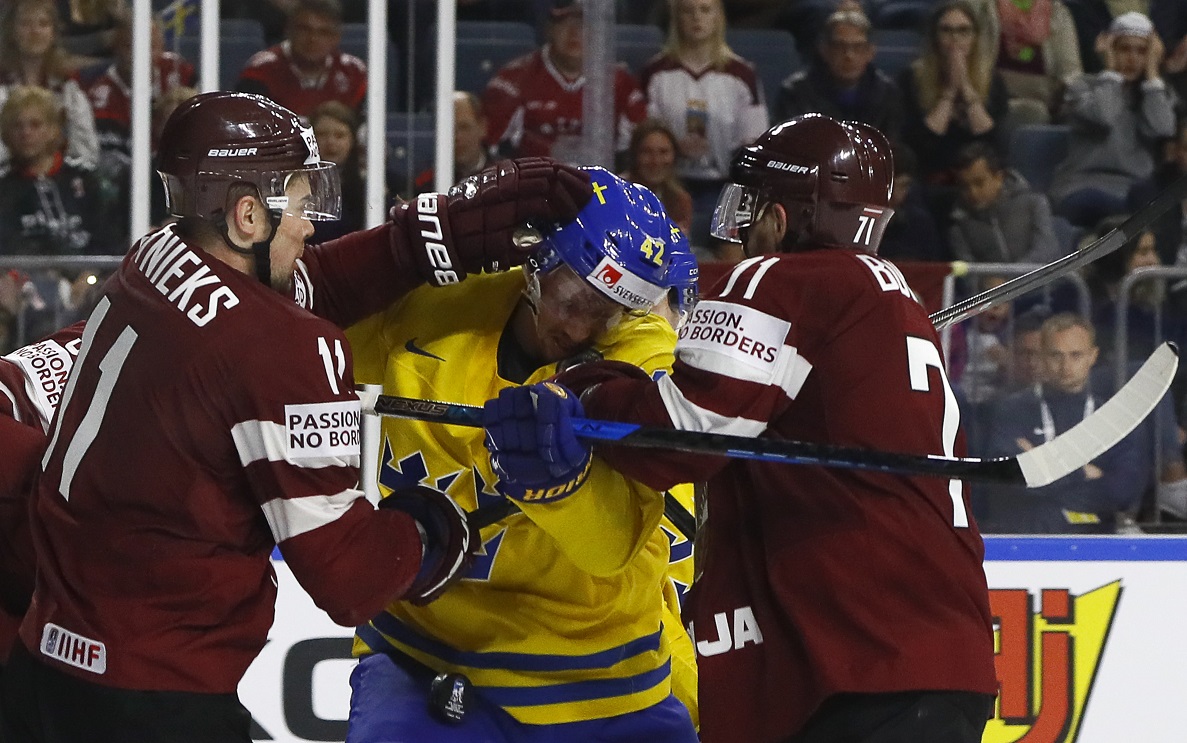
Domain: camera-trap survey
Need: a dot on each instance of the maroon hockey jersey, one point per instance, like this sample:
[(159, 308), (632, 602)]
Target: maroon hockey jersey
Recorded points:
[(816, 581), (32, 379), (208, 419), (272, 73), (533, 109)]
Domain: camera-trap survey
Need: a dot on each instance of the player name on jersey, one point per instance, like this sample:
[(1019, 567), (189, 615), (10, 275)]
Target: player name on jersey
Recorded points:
[(182, 277)]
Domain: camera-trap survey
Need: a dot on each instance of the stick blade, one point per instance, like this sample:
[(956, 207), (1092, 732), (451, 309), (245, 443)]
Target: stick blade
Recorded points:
[(1102, 430)]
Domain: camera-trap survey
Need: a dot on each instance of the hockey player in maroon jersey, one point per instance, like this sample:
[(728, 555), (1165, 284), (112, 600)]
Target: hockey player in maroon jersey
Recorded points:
[(211, 416), (833, 605)]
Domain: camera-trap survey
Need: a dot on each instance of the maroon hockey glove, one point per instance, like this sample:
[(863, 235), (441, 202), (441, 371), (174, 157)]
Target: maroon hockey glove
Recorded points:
[(449, 540), (584, 377), (480, 224)]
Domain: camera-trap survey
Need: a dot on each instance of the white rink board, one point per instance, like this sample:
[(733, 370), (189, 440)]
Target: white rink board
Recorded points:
[(1126, 671)]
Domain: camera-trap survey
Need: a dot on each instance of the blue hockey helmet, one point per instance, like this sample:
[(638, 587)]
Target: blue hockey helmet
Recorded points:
[(624, 244)]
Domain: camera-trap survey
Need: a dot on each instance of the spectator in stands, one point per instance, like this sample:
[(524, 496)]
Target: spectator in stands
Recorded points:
[(998, 218), (89, 27), (912, 233), (952, 97), (651, 162), (1170, 237), (709, 97), (844, 83), (111, 100), (30, 54), (470, 151), (1026, 349), (49, 205), (336, 127), (1033, 46), (308, 68), (1147, 324), (1092, 19), (1118, 118), (987, 356), (1086, 501), (534, 103)]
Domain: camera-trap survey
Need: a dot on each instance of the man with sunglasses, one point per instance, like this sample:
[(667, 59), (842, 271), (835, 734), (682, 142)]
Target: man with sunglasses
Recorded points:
[(831, 605), (566, 627)]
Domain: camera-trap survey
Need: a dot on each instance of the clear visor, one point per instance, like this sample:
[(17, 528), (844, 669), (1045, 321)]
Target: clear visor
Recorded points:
[(313, 192), (735, 209)]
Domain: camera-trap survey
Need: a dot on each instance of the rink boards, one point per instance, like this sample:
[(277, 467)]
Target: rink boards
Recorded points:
[(1091, 647)]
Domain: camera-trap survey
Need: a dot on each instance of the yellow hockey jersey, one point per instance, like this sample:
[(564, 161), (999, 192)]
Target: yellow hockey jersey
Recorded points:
[(569, 612)]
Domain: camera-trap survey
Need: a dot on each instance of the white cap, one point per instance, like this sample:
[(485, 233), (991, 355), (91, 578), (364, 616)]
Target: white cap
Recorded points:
[(1132, 24)]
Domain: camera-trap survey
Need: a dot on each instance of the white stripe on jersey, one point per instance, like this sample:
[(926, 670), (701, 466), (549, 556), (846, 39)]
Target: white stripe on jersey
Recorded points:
[(16, 412), (689, 416), (256, 440), (290, 517)]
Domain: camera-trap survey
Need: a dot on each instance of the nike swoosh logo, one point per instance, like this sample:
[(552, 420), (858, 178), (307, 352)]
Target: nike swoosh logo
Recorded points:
[(411, 347)]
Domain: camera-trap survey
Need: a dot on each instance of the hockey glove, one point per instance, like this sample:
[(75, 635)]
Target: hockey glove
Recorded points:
[(449, 540), (583, 378), (480, 224), (533, 448)]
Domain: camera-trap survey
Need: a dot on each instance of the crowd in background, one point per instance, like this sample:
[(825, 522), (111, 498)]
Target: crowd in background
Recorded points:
[(1108, 76)]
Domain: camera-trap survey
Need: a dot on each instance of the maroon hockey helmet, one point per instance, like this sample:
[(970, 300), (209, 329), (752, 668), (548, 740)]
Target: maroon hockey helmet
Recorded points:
[(218, 139), (834, 179)]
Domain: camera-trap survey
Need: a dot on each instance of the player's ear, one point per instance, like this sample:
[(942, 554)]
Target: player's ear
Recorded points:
[(246, 222), (779, 215)]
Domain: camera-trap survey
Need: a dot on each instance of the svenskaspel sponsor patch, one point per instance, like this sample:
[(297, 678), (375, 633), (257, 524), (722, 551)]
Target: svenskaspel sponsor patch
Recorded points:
[(327, 429), (624, 287), (743, 335)]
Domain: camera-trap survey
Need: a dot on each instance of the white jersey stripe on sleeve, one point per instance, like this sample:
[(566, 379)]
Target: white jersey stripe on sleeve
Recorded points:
[(689, 416), (257, 440), (16, 412), (290, 517)]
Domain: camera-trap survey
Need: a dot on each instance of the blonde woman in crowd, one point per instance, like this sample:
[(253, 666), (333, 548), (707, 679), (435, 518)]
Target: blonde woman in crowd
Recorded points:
[(31, 54), (708, 96)]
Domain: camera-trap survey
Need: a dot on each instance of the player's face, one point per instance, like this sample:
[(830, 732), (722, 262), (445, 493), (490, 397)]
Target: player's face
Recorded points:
[(571, 315), (848, 53), (765, 235), (313, 38), (291, 234), (334, 138), (1068, 356), (34, 31)]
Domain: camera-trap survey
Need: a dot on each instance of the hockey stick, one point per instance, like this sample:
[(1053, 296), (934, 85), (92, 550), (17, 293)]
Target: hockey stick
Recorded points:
[(1035, 468), (1126, 231)]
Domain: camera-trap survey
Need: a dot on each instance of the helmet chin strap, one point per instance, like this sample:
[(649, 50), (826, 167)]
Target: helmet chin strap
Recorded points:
[(262, 250)]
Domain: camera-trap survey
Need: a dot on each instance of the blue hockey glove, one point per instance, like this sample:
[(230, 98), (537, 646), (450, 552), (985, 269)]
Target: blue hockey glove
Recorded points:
[(533, 448), (450, 542)]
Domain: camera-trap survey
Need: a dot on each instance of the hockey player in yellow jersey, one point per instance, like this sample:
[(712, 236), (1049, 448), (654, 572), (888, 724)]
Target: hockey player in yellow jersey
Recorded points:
[(567, 627)]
